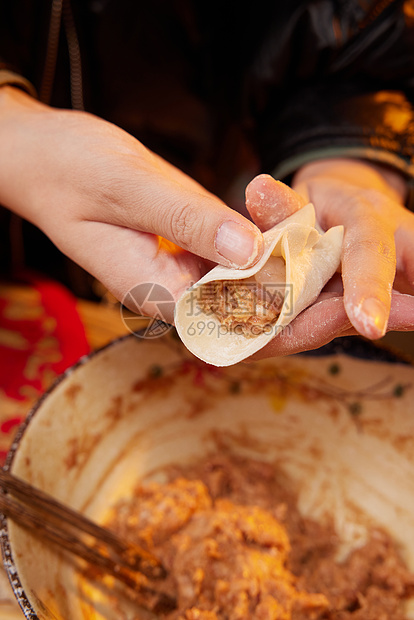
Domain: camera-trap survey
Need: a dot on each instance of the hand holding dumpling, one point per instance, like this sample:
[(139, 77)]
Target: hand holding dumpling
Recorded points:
[(375, 293)]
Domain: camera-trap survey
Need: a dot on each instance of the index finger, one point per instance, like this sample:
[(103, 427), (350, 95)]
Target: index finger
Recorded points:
[(323, 321)]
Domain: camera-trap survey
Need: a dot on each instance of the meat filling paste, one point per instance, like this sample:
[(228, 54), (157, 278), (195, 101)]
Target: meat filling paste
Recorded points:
[(243, 306), (249, 306), (236, 547)]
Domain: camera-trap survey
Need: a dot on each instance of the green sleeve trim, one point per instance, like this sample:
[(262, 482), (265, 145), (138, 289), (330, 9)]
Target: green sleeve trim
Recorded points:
[(406, 167), (291, 165)]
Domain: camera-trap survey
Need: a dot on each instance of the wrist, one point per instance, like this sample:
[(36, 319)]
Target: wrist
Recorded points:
[(19, 113)]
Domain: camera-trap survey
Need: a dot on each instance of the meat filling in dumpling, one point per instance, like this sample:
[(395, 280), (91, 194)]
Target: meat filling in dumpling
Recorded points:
[(249, 306)]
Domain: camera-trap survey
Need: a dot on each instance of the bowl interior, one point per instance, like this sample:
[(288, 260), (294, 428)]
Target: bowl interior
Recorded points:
[(341, 429)]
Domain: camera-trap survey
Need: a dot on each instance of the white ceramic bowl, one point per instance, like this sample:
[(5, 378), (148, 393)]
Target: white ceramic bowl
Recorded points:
[(341, 428)]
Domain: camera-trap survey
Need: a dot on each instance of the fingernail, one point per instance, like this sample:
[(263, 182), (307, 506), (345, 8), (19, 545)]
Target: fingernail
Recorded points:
[(238, 244), (375, 317)]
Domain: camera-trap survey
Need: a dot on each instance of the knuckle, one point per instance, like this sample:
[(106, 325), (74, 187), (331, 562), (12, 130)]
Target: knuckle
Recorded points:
[(379, 249), (373, 201), (184, 224), (370, 261)]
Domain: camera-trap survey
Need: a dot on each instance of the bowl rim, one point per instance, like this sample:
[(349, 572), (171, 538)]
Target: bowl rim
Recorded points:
[(354, 347)]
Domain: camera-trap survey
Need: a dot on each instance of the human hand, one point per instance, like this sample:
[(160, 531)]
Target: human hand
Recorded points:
[(375, 293), (103, 199)]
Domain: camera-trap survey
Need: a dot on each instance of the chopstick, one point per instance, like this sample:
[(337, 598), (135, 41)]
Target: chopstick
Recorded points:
[(129, 563)]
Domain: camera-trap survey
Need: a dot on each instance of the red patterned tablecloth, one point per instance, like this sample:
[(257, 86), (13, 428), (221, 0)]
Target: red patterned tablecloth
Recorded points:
[(44, 329), (41, 334)]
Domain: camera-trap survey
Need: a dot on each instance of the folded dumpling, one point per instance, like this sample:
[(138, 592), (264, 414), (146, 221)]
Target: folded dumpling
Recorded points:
[(231, 313)]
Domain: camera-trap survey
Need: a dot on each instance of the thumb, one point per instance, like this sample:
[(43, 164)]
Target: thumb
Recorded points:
[(197, 221)]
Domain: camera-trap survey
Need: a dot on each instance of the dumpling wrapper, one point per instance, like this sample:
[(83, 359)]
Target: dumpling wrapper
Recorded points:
[(311, 260)]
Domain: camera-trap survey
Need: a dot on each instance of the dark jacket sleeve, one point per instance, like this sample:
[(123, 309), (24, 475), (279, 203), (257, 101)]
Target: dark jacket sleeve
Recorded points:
[(23, 36), (348, 88)]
